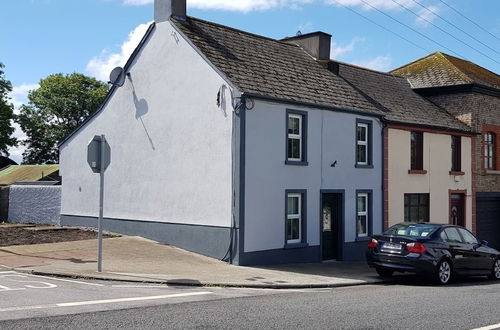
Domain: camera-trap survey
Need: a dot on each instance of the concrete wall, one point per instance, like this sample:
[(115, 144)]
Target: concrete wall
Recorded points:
[(35, 204), (437, 181), (331, 137), (171, 145), (476, 110)]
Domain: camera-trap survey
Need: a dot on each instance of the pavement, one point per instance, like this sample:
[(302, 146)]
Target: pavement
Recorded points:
[(136, 259)]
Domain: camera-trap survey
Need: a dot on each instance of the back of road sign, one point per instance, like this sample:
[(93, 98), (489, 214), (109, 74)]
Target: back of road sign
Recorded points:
[(94, 154)]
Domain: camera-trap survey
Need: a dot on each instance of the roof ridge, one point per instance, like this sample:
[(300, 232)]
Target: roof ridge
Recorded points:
[(460, 72), (241, 31), (367, 69), (414, 61), (469, 62)]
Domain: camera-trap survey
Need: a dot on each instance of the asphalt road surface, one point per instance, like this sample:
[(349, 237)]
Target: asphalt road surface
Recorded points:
[(34, 302)]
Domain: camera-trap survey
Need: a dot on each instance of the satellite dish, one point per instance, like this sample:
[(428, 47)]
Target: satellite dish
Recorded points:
[(117, 77)]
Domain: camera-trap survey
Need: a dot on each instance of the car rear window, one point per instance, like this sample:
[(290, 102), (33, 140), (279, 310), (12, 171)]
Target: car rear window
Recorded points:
[(414, 230)]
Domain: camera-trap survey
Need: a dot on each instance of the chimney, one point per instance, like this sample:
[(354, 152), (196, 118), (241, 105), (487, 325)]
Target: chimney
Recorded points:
[(316, 44), (164, 9)]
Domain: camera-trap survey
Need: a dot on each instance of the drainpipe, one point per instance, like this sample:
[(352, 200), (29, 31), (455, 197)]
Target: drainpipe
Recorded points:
[(384, 186)]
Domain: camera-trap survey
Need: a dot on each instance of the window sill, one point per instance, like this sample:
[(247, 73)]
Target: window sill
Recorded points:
[(295, 245), (296, 162), (363, 166), (457, 173), (362, 239), (417, 171), (494, 172)]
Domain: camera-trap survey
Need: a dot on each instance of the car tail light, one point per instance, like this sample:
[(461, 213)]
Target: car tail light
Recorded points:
[(372, 243), (415, 247)]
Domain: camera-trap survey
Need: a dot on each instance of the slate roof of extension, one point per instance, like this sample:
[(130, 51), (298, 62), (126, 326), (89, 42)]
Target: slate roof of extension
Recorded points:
[(20, 173), (395, 94), (272, 68), (439, 69)]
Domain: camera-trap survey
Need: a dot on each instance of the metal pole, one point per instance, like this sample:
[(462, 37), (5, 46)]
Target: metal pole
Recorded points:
[(101, 206)]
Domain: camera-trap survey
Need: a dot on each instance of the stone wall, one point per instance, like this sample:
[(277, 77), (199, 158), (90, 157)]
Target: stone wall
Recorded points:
[(35, 204), (477, 110)]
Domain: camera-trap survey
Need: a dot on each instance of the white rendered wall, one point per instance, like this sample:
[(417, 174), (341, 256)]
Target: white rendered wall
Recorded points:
[(170, 142), (35, 204), (437, 182), (331, 137)]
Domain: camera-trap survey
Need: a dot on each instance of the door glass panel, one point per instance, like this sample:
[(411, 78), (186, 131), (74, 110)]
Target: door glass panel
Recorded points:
[(453, 236), (468, 237), (327, 218)]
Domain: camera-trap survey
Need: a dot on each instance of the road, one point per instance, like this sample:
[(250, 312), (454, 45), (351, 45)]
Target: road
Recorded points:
[(34, 302)]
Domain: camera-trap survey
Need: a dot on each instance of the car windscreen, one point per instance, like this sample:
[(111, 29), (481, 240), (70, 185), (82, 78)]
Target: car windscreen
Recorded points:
[(411, 230)]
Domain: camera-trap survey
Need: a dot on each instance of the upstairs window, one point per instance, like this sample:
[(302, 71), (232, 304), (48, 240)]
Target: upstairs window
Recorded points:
[(489, 150), (456, 153), (362, 146), (417, 150), (296, 137)]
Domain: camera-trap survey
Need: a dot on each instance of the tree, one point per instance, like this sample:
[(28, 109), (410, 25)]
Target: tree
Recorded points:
[(6, 115), (54, 110)]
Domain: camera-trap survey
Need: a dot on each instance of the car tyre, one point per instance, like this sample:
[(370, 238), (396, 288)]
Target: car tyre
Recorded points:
[(443, 272), (384, 273), (495, 272)]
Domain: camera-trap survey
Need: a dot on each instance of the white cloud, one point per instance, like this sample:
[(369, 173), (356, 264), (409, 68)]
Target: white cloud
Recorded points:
[(100, 66), (18, 97), (379, 63), (427, 16), (233, 5), (339, 50), (19, 94)]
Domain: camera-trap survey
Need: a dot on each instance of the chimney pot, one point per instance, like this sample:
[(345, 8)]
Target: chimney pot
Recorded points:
[(164, 9)]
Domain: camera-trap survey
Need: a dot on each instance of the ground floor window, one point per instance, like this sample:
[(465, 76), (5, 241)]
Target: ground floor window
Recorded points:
[(295, 217), (416, 207), (362, 213)]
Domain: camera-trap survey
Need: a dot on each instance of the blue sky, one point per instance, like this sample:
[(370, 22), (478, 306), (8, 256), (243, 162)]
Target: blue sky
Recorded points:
[(41, 37)]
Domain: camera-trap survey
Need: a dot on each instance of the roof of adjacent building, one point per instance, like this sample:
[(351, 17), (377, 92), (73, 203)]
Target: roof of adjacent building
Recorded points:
[(401, 103), (272, 68), (439, 69), (19, 173)]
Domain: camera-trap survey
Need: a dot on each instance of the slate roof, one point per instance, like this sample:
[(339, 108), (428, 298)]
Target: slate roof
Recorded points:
[(439, 69), (272, 68), (18, 173), (395, 95)]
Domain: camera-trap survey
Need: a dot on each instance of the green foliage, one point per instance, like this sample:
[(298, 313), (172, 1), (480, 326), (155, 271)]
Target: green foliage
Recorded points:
[(6, 115), (55, 109)]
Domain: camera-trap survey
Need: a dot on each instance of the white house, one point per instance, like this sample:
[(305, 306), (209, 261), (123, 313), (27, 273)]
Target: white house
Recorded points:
[(232, 145)]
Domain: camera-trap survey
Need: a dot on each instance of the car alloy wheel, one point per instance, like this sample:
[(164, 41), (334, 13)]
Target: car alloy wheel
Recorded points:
[(444, 272), (495, 273)]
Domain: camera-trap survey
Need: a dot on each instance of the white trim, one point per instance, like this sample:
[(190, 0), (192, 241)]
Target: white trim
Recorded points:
[(297, 216), (364, 213), (362, 143), (295, 136)]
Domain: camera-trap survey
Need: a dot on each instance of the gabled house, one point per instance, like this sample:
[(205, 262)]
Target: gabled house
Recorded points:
[(427, 153), (472, 94), (232, 145)]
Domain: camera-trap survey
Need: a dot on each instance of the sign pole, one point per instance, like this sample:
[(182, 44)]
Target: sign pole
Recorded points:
[(101, 204)]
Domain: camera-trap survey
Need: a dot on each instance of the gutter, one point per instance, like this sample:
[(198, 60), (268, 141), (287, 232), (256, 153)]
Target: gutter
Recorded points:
[(430, 127)]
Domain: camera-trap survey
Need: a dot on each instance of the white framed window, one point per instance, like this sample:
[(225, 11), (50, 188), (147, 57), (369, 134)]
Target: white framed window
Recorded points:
[(294, 218), (362, 142), (295, 137), (362, 214)]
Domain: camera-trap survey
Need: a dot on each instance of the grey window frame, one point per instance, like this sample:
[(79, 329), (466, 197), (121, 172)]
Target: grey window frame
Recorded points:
[(369, 220), (369, 143), (303, 142), (303, 219)]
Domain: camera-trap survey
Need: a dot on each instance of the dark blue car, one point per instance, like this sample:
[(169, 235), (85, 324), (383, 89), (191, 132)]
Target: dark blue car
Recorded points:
[(434, 250)]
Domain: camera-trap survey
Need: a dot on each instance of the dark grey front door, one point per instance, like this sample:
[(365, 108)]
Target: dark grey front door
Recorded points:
[(331, 211)]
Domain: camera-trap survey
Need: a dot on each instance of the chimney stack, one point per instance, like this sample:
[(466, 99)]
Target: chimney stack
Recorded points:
[(164, 9), (316, 44)]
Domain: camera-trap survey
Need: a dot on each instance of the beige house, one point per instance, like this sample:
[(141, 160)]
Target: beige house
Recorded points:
[(427, 153)]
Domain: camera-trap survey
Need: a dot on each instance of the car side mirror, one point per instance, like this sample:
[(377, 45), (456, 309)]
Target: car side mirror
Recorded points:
[(483, 242)]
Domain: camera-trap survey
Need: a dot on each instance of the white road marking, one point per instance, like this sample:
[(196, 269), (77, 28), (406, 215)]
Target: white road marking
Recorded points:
[(65, 280), (106, 301), (46, 285), (489, 327), (140, 286), (7, 272)]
